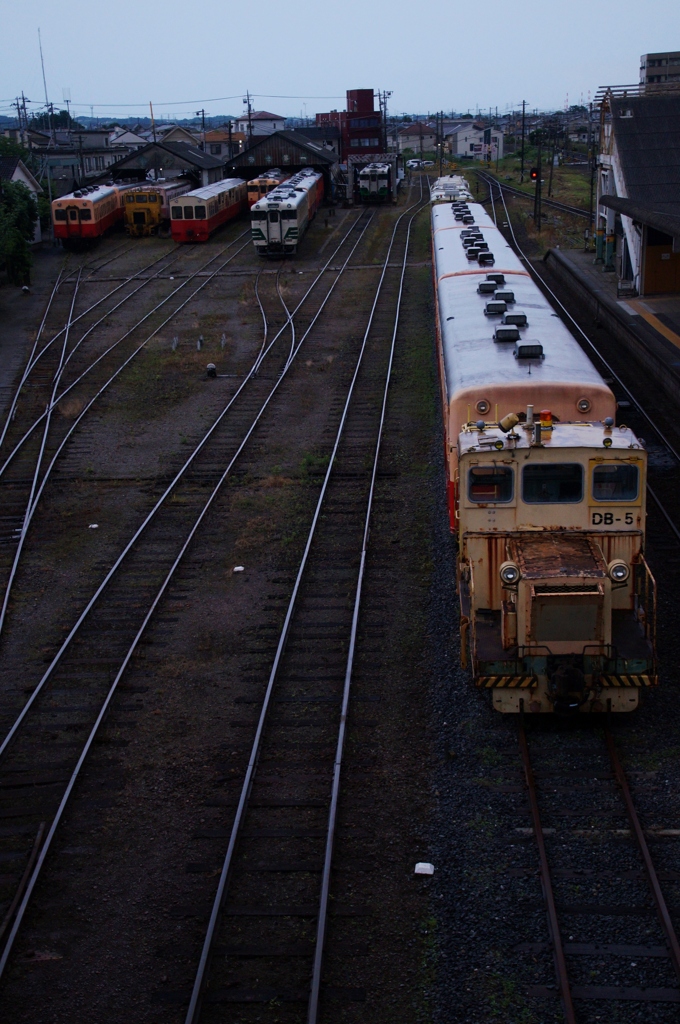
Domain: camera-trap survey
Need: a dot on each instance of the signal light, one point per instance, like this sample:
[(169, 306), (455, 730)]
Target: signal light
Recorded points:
[(533, 174)]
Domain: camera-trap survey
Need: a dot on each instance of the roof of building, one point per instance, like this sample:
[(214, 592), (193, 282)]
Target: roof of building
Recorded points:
[(222, 135), (262, 115), (330, 131), (293, 145), (417, 128), (668, 223), (647, 134), (8, 167)]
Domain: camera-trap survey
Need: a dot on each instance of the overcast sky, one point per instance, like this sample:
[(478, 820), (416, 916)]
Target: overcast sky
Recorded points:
[(117, 56)]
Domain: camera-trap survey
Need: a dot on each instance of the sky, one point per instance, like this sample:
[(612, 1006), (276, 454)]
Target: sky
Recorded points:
[(113, 58)]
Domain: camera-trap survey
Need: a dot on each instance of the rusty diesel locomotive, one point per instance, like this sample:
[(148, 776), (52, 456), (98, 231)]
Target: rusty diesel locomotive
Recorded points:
[(546, 494)]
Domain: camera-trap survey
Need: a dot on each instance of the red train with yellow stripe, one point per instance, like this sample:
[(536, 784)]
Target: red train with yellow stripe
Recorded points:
[(195, 215), (88, 212)]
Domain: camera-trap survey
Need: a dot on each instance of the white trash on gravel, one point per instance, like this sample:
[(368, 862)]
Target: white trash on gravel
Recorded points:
[(238, 568), (423, 868)]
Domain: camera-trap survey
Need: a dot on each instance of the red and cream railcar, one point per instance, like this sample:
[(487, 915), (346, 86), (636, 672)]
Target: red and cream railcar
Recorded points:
[(194, 216), (88, 212)]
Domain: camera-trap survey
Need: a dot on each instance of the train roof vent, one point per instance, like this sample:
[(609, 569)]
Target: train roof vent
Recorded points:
[(503, 333), (498, 278), (533, 351), (495, 308), (505, 294), (486, 259), (486, 287), (518, 318)]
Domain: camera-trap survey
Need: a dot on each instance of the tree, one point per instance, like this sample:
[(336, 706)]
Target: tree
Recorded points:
[(61, 120), (18, 213)]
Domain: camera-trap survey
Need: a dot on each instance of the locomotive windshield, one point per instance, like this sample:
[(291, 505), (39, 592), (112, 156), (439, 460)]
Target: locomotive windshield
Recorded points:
[(615, 482), (559, 484), (490, 483)]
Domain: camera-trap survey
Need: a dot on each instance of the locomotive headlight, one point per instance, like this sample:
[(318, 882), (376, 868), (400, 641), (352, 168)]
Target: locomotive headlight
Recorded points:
[(510, 574), (618, 570)]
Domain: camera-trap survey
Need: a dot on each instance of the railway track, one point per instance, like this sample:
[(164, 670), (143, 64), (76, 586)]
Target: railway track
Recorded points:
[(263, 952), (69, 703), (576, 211), (20, 473), (643, 965), (590, 839)]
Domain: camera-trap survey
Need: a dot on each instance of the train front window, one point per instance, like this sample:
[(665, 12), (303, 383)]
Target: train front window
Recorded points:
[(129, 199), (199, 212), (616, 482), (60, 214), (188, 213), (490, 484), (86, 214), (177, 213), (142, 198), (274, 216), (552, 484)]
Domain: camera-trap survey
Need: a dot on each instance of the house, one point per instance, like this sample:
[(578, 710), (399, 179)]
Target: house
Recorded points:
[(326, 136), (13, 168), (473, 141), (638, 191), (120, 138), (261, 122), (175, 133), (168, 160), (418, 137), (224, 143)]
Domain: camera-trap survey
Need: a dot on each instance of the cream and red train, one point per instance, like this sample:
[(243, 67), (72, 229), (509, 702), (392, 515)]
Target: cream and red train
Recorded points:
[(546, 495), (195, 215), (88, 212)]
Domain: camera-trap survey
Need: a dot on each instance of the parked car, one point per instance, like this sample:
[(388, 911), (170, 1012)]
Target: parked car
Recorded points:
[(413, 164)]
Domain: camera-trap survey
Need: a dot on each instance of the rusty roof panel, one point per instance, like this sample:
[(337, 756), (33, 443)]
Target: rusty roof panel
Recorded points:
[(545, 555)]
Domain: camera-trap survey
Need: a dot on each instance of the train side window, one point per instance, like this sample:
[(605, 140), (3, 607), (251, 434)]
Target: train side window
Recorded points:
[(188, 213), (199, 212), (177, 213), (552, 483), (490, 483), (60, 214), (616, 482)]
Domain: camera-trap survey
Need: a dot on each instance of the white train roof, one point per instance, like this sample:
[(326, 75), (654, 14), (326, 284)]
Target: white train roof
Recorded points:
[(451, 186), (375, 169), (289, 193), (210, 191), (471, 357)]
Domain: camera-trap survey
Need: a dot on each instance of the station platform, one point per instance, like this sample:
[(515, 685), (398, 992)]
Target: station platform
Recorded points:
[(649, 327)]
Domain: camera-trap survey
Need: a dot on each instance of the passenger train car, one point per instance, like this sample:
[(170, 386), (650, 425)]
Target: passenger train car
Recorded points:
[(195, 215), (147, 205), (374, 183), (450, 188), (259, 187), (546, 495), (88, 212), (280, 219)]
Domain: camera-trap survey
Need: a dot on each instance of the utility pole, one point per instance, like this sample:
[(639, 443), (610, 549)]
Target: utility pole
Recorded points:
[(153, 122), (202, 113), (552, 162), (230, 149), (537, 197), (441, 141), (521, 173), (48, 108), (250, 118)]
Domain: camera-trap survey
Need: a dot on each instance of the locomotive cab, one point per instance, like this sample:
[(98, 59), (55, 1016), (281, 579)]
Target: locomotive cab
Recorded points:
[(557, 601)]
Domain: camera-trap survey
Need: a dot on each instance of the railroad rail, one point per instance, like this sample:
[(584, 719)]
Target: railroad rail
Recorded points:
[(577, 211), (101, 643), (546, 801), (311, 672)]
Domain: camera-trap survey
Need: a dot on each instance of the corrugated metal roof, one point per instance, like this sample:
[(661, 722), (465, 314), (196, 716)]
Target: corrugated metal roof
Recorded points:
[(271, 149), (647, 134)]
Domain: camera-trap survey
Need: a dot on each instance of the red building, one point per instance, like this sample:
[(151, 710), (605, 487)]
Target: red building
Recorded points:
[(360, 125)]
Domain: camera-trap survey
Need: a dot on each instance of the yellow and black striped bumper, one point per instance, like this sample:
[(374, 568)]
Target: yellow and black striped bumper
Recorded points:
[(511, 682), (639, 682)]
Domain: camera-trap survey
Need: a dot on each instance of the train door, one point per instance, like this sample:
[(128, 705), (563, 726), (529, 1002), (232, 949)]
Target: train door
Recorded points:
[(72, 222), (275, 236)]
